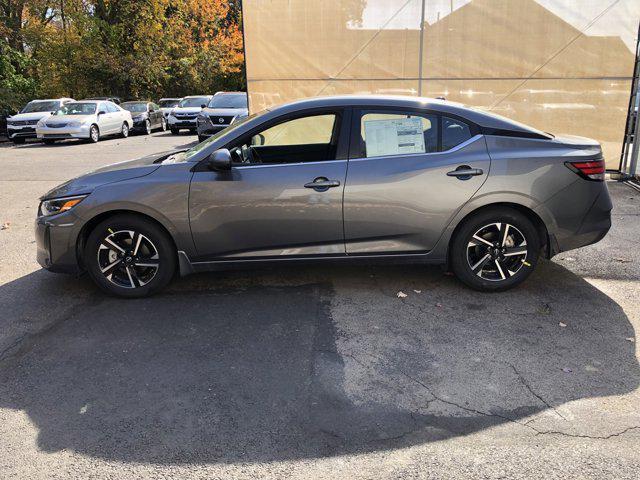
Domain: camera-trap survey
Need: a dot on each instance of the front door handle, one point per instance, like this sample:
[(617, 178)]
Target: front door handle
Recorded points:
[(464, 172), (322, 184)]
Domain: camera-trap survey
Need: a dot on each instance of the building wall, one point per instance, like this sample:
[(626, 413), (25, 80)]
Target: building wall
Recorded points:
[(562, 66)]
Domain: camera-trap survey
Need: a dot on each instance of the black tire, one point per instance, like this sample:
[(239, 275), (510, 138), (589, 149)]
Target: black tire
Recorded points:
[(175, 131), (506, 265), (94, 134), (18, 140), (130, 275), (125, 130), (49, 141), (163, 125), (201, 138), (193, 131)]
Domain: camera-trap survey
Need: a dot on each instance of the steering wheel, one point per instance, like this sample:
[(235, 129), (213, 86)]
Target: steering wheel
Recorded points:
[(248, 155)]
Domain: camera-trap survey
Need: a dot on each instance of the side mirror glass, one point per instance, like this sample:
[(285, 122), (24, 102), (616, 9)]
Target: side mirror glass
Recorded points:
[(220, 160)]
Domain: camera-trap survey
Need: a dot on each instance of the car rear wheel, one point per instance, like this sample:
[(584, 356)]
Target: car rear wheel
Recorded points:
[(163, 125), (94, 134), (495, 250), (124, 131), (175, 131), (130, 256), (147, 127)]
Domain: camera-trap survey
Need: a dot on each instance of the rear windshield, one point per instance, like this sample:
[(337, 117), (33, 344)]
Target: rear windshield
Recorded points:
[(168, 103)]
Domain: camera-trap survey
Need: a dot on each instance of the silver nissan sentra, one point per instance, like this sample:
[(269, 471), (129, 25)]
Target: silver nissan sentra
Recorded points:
[(344, 179)]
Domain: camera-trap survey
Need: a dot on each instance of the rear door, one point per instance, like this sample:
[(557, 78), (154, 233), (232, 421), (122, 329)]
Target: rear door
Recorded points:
[(409, 173), (282, 197)]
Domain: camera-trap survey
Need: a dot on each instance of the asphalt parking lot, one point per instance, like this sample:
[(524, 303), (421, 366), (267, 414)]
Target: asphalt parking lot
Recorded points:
[(313, 372)]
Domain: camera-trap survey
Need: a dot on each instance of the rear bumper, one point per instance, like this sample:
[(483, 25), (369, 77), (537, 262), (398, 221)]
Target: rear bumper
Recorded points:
[(593, 226)]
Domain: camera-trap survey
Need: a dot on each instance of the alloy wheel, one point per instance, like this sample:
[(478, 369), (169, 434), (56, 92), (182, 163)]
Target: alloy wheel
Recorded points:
[(125, 130), (147, 126), (128, 258), (164, 125), (94, 133), (497, 251)]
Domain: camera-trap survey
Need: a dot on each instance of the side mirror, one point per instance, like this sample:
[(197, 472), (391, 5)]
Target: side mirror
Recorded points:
[(220, 160), (101, 112), (203, 106)]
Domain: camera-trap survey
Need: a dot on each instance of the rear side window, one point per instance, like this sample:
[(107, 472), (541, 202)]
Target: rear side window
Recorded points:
[(389, 134), (454, 132)]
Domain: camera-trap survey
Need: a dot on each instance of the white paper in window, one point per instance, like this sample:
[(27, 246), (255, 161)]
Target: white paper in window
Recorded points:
[(394, 137)]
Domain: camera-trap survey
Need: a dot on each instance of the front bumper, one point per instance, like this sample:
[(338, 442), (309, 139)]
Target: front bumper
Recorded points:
[(56, 244), (60, 133), (21, 131), (182, 123), (208, 129), (139, 125)]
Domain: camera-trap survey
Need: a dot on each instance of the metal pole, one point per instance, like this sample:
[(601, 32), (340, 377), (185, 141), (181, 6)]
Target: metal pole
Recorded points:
[(633, 165), (421, 50)]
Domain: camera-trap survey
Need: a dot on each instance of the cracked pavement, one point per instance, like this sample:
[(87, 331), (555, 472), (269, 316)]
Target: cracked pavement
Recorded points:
[(313, 371)]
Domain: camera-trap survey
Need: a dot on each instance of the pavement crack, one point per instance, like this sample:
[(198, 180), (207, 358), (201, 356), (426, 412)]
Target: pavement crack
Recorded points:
[(528, 386), (592, 437)]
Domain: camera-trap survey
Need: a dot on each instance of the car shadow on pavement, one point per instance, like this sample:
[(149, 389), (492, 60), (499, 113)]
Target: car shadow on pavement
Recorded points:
[(301, 363)]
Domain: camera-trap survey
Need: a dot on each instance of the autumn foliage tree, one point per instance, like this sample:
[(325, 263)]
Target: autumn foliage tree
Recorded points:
[(130, 48)]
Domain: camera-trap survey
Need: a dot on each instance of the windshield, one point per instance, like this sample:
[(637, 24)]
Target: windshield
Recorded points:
[(135, 107), (168, 103), (40, 107), (79, 108), (193, 102), (228, 101)]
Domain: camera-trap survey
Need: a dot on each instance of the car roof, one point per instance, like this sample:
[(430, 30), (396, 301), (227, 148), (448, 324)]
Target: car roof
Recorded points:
[(231, 93), (479, 117), (170, 98), (196, 96)]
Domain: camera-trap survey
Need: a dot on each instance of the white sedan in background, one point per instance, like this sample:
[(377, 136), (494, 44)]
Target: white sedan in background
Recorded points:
[(88, 119)]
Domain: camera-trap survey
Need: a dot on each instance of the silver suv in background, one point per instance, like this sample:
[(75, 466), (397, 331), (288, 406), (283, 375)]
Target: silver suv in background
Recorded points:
[(183, 116), (223, 109), (168, 104), (23, 125)]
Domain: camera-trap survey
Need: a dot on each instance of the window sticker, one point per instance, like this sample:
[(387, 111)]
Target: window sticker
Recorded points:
[(394, 137)]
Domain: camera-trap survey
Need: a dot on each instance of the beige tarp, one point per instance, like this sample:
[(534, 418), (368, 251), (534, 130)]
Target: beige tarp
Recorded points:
[(563, 66)]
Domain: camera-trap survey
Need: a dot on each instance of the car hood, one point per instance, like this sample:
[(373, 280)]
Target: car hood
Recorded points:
[(69, 118), (29, 116), (226, 112), (190, 110), (116, 172)]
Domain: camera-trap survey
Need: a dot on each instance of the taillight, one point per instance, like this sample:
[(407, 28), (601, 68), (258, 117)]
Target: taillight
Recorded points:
[(592, 170)]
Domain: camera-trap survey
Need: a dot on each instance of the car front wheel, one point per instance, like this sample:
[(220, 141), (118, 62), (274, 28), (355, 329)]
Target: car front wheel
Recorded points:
[(124, 131), (94, 134), (495, 250), (130, 256)]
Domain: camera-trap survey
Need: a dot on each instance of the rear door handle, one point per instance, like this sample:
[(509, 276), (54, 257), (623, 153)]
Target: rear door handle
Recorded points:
[(464, 172), (322, 184)]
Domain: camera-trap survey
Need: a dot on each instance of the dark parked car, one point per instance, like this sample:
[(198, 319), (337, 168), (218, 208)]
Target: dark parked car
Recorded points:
[(115, 100), (147, 117), (346, 179), (223, 109)]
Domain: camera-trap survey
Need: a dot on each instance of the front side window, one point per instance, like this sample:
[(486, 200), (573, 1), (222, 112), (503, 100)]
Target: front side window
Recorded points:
[(389, 134), (317, 129), (454, 132), (312, 138)]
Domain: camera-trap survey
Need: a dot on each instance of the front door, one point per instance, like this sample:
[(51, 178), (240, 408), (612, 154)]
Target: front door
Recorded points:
[(281, 199), (410, 172)]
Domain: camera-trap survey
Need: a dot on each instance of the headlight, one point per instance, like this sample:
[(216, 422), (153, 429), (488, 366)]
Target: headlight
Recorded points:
[(203, 119), (73, 124), (40, 122), (59, 205), (236, 118)]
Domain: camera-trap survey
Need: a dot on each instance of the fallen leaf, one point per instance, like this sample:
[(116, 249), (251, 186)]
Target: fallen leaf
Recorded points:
[(401, 295), (544, 309), (418, 291), (567, 370), (5, 225), (562, 324), (630, 339), (622, 260), (83, 410), (439, 305)]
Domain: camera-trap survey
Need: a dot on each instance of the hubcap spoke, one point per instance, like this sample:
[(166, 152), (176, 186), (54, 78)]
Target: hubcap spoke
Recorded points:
[(510, 252), (477, 268), (482, 240), (107, 270), (111, 243)]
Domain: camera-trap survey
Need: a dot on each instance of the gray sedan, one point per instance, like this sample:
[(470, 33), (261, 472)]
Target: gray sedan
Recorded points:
[(341, 179)]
